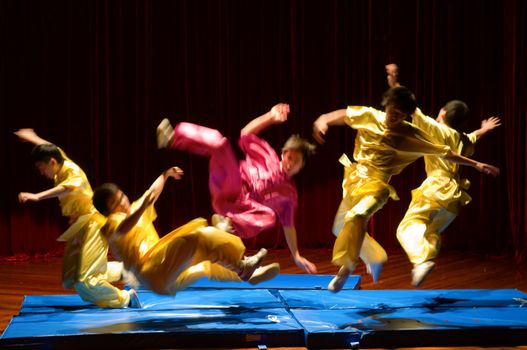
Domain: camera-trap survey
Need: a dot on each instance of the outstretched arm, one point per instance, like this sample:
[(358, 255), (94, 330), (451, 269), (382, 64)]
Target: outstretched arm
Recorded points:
[(29, 135), (487, 125), (159, 184), (153, 193), (56, 191), (277, 114), (300, 261), (321, 125), (486, 169), (131, 220)]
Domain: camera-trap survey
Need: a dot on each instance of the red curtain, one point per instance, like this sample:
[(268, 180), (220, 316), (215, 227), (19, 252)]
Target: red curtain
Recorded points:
[(96, 77)]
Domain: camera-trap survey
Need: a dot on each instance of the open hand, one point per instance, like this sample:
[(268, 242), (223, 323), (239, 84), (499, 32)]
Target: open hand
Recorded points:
[(305, 264), (490, 123), (488, 169)]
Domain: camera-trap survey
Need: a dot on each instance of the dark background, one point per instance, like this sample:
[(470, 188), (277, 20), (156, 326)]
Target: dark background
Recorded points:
[(96, 77)]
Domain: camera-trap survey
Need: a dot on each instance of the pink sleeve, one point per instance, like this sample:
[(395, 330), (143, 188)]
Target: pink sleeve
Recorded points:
[(259, 154), (287, 213), (284, 201)]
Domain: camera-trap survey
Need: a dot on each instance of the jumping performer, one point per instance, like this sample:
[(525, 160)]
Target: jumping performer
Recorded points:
[(385, 144), (181, 257), (249, 195), (85, 266)]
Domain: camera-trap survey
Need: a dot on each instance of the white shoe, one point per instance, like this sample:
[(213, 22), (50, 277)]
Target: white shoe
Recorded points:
[(222, 223), (264, 273), (250, 263), (374, 270), (338, 282), (420, 271), (165, 133), (134, 300)]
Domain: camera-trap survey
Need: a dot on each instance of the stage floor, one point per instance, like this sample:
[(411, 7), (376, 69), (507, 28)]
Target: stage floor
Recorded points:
[(289, 311)]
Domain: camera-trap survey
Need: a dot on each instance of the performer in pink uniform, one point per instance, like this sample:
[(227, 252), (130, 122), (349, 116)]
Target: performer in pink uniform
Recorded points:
[(251, 193)]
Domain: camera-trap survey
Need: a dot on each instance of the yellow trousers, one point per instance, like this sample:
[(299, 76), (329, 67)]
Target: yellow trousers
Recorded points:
[(96, 289), (85, 267), (350, 227), (419, 231), (187, 254)]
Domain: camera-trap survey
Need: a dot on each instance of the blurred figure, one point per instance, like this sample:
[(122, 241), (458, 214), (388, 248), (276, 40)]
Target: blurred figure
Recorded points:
[(248, 195)]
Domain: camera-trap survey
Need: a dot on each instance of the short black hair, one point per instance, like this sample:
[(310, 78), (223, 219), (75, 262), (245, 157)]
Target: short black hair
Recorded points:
[(297, 143), (101, 195), (45, 151), (401, 98), (457, 114)]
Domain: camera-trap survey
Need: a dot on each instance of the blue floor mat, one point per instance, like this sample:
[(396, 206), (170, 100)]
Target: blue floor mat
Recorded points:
[(282, 281), (293, 311)]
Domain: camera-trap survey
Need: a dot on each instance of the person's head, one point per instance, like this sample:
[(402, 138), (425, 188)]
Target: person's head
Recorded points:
[(47, 159), (108, 199), (295, 152), (399, 103), (454, 114)]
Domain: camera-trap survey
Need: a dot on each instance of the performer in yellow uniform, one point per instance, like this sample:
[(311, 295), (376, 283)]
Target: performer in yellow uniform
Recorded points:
[(178, 259), (436, 203), (85, 266), (385, 144)]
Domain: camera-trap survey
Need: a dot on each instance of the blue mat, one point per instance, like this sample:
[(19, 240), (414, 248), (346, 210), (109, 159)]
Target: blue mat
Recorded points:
[(408, 318), (392, 299), (282, 281), (293, 311), (187, 299), (211, 318)]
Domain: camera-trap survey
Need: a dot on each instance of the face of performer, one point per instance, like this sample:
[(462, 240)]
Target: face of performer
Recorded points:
[(118, 203), (441, 116), (292, 162), (48, 169), (394, 116)]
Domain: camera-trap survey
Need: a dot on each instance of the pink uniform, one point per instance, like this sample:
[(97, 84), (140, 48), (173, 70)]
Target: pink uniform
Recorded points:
[(251, 192)]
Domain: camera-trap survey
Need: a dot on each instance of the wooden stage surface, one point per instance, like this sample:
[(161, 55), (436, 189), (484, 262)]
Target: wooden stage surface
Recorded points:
[(454, 270)]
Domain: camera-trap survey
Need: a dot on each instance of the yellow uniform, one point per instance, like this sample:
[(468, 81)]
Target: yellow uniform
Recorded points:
[(379, 153), (437, 201), (85, 265), (178, 259)]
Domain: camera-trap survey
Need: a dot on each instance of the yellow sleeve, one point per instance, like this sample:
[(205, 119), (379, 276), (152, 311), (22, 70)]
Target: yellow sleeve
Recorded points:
[(149, 214), (472, 137), (360, 116), (64, 155), (469, 147), (422, 143), (112, 224), (428, 125), (75, 176)]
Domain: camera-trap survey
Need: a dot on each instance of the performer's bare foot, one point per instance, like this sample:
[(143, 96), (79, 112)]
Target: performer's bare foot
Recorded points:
[(420, 271), (338, 282), (222, 223), (250, 263), (165, 133)]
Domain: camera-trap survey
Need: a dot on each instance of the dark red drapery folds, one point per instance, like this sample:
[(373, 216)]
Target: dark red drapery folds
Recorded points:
[(96, 77)]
